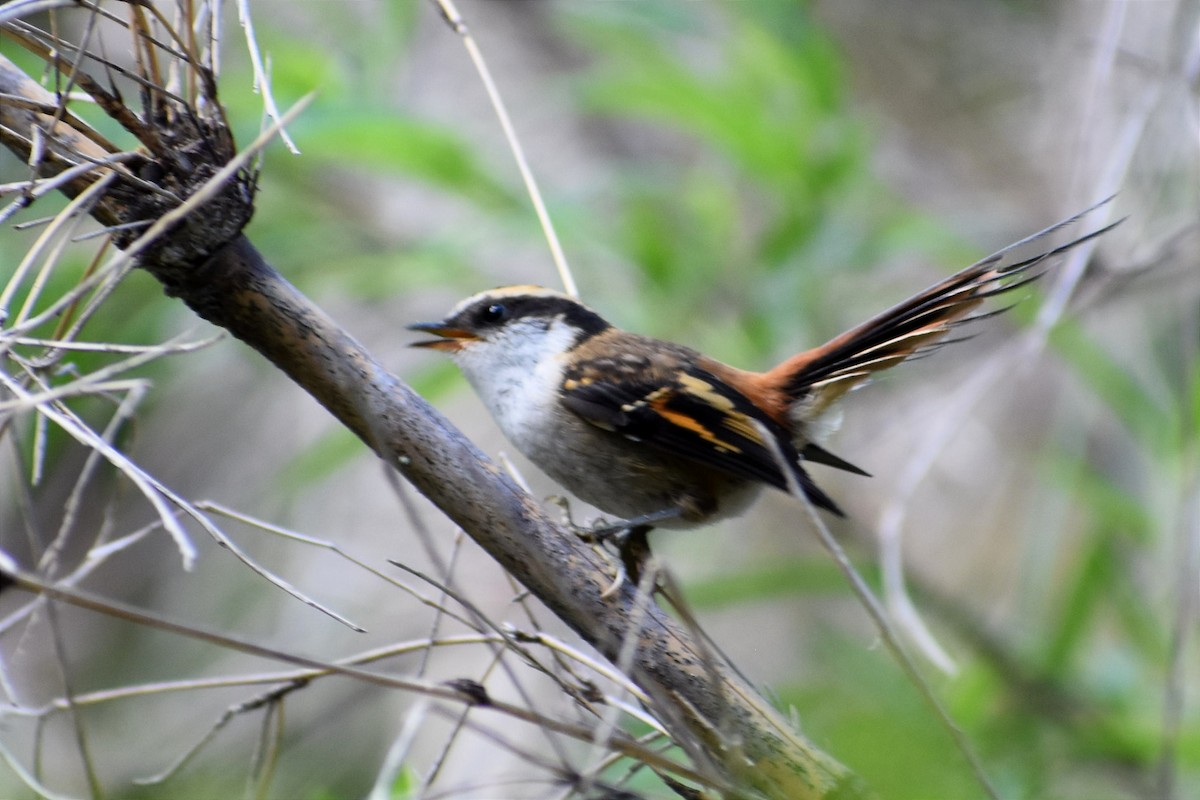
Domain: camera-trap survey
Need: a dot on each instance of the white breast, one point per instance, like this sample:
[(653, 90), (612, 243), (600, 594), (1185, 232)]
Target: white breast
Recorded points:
[(518, 374)]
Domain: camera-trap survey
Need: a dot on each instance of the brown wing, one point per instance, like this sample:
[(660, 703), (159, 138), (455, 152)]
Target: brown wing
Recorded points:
[(818, 377), (691, 413)]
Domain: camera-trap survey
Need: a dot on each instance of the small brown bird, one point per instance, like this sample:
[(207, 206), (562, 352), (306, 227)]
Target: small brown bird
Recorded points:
[(659, 434)]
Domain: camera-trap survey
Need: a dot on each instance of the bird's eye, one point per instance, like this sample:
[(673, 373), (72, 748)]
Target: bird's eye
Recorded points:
[(494, 313)]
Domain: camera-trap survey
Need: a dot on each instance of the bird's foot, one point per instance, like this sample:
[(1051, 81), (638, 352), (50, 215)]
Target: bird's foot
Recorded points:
[(627, 535)]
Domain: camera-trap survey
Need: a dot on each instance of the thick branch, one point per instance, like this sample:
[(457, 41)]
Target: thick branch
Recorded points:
[(706, 704)]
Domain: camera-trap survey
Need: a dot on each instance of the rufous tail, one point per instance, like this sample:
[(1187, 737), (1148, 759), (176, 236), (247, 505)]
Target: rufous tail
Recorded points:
[(818, 377)]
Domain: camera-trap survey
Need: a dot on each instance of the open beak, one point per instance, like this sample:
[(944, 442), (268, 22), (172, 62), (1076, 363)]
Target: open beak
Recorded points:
[(453, 339)]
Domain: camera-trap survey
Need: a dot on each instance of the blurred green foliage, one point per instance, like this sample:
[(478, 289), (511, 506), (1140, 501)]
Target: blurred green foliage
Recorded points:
[(730, 245)]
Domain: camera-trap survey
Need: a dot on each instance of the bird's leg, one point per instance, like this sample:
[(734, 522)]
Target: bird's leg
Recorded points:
[(629, 536), (634, 548), (605, 530), (602, 529)]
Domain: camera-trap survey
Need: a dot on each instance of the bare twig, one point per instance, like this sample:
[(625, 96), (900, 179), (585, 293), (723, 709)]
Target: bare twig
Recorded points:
[(262, 81), (14, 576), (879, 616), (457, 24)]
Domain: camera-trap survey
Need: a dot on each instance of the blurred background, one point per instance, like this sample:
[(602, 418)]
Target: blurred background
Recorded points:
[(750, 179)]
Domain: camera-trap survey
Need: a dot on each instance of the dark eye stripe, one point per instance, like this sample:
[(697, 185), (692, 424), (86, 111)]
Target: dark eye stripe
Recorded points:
[(490, 312)]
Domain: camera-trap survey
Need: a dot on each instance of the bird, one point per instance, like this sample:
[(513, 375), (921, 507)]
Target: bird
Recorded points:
[(661, 435)]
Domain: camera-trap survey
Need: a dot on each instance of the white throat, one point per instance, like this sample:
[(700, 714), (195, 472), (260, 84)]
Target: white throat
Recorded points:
[(517, 373)]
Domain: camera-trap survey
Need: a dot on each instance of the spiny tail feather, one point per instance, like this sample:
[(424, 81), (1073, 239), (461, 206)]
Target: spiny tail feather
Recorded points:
[(819, 455), (820, 376), (813, 492)]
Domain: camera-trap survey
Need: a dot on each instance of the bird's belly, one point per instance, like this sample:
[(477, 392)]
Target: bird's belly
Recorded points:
[(628, 479)]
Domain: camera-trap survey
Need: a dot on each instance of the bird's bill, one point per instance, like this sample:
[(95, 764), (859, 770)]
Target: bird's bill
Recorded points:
[(453, 339)]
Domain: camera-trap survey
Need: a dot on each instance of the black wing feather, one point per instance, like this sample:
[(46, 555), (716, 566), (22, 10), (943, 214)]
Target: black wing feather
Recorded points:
[(695, 415)]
